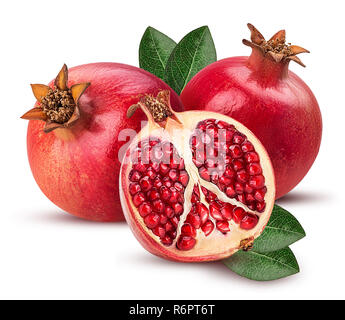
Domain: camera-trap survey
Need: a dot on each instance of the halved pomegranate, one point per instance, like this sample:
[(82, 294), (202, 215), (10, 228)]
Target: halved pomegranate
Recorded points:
[(195, 186)]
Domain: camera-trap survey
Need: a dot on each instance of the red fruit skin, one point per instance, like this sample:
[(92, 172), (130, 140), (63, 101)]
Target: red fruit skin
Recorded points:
[(78, 168), (271, 101)]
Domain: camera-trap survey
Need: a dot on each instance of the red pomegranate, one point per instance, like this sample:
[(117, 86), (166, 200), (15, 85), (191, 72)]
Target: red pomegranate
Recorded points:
[(260, 92), (195, 186), (74, 149)]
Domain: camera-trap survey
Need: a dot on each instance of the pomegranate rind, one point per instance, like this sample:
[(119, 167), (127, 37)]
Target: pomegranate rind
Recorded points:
[(207, 248)]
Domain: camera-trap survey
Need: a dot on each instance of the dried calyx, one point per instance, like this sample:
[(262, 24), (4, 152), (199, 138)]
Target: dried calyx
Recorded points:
[(157, 108), (276, 48), (57, 106)]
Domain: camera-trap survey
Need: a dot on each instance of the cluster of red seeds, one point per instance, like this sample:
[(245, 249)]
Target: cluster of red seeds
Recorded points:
[(158, 182), (221, 212), (226, 158)]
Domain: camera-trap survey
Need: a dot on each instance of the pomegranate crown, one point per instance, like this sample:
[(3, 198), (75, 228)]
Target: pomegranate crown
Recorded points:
[(157, 109), (57, 106), (276, 48)]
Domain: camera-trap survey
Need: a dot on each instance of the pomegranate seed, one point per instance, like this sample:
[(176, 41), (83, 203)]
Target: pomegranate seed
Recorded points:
[(138, 199), (194, 220), (239, 188), (169, 227), (140, 167), (178, 186), (163, 219), (238, 138), (214, 177), (165, 193), (167, 182), (249, 221), (169, 212), (183, 178), (242, 198), (247, 146), (151, 220), (211, 196), (196, 190), (174, 221), (235, 151), (251, 157), (167, 241), (145, 209), (249, 198), (134, 188), (202, 212), (222, 125), (174, 163), (226, 211), (181, 164), (194, 198), (230, 191), (178, 208), (224, 180), (145, 184), (207, 227), (185, 243), (167, 149), (159, 231), (248, 189), (237, 214), (204, 174), (174, 195), (204, 191), (252, 206), (158, 206), (257, 182), (164, 168), (157, 183), (215, 211), (197, 163), (188, 230), (173, 175), (229, 173), (150, 173), (134, 176), (260, 194), (260, 206), (153, 195), (242, 176), (172, 234), (254, 169), (223, 226), (237, 164)]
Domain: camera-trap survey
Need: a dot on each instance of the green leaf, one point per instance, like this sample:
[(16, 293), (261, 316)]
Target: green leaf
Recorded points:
[(154, 51), (282, 230), (193, 53), (263, 266)]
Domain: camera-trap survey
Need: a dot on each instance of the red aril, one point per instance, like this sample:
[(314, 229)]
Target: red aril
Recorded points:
[(273, 102), (201, 221), (74, 150)]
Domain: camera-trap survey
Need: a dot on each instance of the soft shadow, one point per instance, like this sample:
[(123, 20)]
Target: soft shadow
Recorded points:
[(60, 217), (216, 269), (221, 271), (304, 197)]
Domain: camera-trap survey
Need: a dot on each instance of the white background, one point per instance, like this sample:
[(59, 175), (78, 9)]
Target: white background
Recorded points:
[(45, 253)]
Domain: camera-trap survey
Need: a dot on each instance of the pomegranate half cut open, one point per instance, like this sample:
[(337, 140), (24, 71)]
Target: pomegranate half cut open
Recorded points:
[(195, 186)]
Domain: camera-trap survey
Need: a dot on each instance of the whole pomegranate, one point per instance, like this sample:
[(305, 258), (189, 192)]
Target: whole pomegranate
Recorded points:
[(260, 92), (195, 186), (73, 150)]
